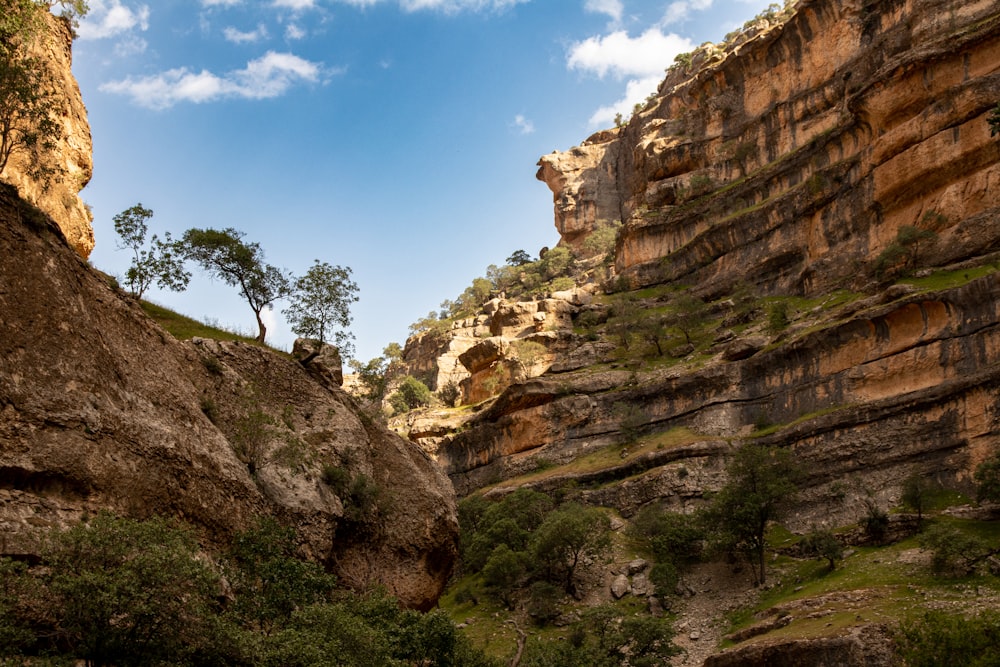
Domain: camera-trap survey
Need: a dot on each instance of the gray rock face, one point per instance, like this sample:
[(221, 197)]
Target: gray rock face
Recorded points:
[(127, 418), (320, 359)]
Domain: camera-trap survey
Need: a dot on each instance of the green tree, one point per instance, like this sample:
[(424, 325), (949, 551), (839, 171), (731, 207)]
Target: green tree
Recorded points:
[(916, 495), (823, 544), (411, 394), (158, 263), (519, 258), (567, 537), (320, 302), (988, 479), (268, 581), (130, 592), (224, 255), (27, 122), (688, 315), (760, 482), (503, 573), (16, 594)]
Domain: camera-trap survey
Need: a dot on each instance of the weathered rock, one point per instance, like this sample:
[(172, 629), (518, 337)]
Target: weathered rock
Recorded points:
[(744, 348), (71, 157), (126, 418), (320, 359), (620, 586), (867, 646)]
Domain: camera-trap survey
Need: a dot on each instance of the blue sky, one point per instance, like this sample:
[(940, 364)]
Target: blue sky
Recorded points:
[(396, 137)]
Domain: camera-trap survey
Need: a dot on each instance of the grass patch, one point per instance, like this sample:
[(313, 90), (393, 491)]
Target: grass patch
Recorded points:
[(941, 280), (610, 456), (770, 429), (182, 327)]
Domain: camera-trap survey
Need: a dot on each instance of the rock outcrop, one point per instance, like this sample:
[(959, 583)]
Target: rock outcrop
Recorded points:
[(102, 409), (59, 196)]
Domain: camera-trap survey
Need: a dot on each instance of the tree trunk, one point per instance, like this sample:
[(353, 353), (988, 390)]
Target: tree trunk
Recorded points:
[(262, 330)]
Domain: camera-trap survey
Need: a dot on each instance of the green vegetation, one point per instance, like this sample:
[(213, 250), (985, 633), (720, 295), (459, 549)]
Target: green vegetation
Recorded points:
[(940, 638), (320, 302), (186, 328), (411, 394), (122, 592), (901, 257), (760, 482), (158, 263)]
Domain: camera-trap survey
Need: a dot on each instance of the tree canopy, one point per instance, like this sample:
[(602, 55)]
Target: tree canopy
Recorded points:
[(223, 254), (158, 263), (321, 302)]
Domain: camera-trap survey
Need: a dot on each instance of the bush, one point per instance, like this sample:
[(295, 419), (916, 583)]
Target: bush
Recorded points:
[(939, 638), (411, 394)]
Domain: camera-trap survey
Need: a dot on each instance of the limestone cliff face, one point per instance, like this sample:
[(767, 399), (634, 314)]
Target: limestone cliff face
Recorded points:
[(101, 409), (791, 158), (73, 154)]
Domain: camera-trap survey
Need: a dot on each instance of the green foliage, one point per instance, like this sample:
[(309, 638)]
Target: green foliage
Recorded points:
[(160, 263), (519, 258), (601, 241), (677, 538), (567, 537), (320, 302), (606, 637), (916, 494), (688, 314), (250, 436), (543, 602), (411, 394), (777, 317), (28, 124), (503, 573), (875, 522), (988, 479), (130, 593), (269, 583), (994, 121), (224, 255), (955, 552), (901, 256), (16, 596), (942, 638), (760, 482), (450, 394), (823, 544), (374, 376)]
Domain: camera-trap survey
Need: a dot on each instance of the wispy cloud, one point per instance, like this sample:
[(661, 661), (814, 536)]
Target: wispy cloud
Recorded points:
[(612, 8), (523, 125), (295, 5), (112, 18), (266, 77), (220, 3), (294, 32), (240, 37), (680, 10)]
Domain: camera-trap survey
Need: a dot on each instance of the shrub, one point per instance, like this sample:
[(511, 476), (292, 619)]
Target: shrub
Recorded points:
[(940, 638), (411, 394)]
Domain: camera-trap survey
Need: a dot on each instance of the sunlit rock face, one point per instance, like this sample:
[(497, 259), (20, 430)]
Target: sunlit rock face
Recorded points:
[(72, 157)]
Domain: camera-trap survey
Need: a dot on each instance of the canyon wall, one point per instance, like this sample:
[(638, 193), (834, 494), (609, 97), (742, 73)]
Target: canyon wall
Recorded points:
[(102, 409)]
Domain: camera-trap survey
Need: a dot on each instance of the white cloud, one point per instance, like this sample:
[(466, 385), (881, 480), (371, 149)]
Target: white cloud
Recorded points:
[(523, 125), (239, 37), (636, 92), (680, 10), (446, 6), (612, 8), (623, 56), (220, 3), (108, 19), (266, 77), (294, 32), (295, 5)]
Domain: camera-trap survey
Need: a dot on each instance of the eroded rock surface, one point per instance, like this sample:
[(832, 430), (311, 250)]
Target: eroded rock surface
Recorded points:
[(102, 409)]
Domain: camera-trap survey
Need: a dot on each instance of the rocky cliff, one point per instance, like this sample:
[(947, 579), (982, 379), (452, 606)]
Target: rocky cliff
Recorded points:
[(102, 409), (71, 157), (791, 156), (824, 184)]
